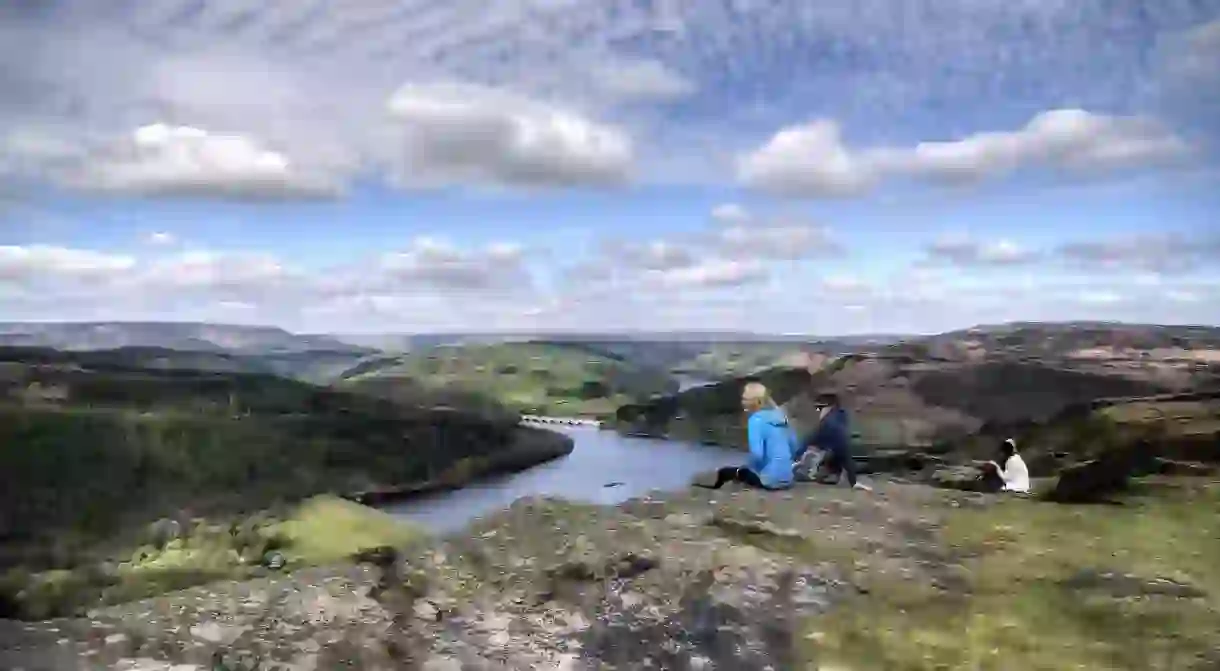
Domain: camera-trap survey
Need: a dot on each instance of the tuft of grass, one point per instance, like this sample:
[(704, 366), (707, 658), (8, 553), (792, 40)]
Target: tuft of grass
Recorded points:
[(327, 529), (1016, 612)]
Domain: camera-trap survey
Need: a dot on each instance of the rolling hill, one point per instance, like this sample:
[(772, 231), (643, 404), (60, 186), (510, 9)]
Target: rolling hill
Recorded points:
[(540, 378), (91, 444), (939, 388)]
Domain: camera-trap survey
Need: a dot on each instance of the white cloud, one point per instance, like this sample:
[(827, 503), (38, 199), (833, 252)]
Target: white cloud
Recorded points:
[(964, 251), (430, 262), (435, 285), (161, 239), (310, 82), (455, 132), (745, 235), (642, 81), (715, 273), (789, 242), (1156, 253), (723, 255), (812, 159), (730, 213), (655, 255), (235, 276), (43, 262), (1099, 297), (163, 160)]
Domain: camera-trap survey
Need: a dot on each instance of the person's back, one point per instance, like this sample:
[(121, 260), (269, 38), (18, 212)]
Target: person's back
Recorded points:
[(1015, 474), (772, 443), (771, 440), (834, 435)]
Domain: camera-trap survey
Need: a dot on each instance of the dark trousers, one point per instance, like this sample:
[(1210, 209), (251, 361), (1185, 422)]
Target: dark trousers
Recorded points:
[(841, 462), (990, 481), (736, 474)]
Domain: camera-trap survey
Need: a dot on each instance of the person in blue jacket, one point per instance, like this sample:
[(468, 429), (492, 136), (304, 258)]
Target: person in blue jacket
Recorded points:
[(772, 444)]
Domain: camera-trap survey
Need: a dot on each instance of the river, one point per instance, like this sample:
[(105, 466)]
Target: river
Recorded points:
[(600, 458)]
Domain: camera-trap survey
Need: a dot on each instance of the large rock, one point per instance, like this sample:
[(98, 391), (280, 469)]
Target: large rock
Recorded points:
[(1098, 480), (962, 478)]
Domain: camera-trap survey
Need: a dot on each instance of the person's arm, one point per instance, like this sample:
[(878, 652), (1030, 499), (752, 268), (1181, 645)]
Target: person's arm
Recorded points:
[(801, 445), (1012, 474), (758, 448)]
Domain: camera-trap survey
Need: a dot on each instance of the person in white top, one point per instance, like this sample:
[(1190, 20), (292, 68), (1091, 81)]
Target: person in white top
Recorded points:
[(1014, 474)]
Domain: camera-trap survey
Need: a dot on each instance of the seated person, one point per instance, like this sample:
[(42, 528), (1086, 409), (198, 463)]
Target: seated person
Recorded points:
[(772, 444), (1013, 476)]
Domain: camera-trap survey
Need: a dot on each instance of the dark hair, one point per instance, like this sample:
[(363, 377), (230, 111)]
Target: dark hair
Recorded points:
[(827, 398), (1007, 448)]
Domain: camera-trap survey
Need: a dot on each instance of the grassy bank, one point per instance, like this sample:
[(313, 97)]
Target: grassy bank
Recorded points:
[(1042, 586)]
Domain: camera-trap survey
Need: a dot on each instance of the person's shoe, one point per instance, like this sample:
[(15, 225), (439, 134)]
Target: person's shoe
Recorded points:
[(862, 487)]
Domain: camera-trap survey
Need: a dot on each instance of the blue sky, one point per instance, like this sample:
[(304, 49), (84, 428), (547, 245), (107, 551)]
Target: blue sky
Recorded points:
[(781, 166)]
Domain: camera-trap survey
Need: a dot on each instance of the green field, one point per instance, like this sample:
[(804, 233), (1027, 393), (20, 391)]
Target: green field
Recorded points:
[(732, 359), (535, 378)]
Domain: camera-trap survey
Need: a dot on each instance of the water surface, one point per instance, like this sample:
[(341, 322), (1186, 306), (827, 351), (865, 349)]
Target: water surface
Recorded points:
[(634, 466)]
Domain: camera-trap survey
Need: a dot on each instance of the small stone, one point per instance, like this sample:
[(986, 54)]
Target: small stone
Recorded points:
[(427, 612), (442, 664)]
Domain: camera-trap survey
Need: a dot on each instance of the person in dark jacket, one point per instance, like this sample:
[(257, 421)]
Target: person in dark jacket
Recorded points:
[(833, 435), (772, 444)]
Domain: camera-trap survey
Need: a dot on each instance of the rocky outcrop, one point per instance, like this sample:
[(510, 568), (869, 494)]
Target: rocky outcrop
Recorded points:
[(714, 580)]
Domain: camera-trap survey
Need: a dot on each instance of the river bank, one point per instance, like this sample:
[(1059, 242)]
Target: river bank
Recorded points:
[(531, 447), (816, 577)]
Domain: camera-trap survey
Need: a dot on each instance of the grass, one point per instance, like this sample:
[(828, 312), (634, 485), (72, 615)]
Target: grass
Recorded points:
[(320, 531), (326, 529), (1017, 613)]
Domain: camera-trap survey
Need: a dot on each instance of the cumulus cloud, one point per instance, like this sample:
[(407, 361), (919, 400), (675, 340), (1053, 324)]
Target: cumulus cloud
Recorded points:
[(310, 82), (642, 81), (783, 241), (713, 273), (457, 132), (746, 235), (435, 263), (660, 255), (42, 262), (738, 248), (813, 160), (429, 280), (228, 273), (159, 159), (965, 251), (1157, 253)]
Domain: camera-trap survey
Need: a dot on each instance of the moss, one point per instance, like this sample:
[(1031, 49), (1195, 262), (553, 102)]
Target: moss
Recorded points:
[(327, 529)]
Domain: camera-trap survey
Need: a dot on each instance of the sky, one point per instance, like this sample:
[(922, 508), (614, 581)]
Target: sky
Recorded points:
[(777, 166)]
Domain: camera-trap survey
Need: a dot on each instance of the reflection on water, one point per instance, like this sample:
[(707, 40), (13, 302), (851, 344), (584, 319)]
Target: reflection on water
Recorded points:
[(635, 466)]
